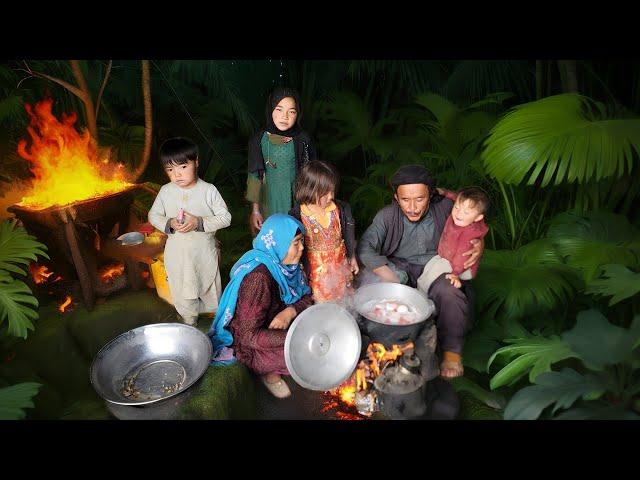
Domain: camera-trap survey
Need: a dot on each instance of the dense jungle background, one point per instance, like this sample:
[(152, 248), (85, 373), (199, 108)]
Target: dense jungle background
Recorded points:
[(554, 142)]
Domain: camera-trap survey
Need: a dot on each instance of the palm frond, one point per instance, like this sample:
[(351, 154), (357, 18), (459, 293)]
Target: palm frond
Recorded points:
[(560, 388), (17, 247), (513, 283), (617, 282), (588, 241), (16, 302), (14, 399), (555, 140), (471, 80), (533, 354)]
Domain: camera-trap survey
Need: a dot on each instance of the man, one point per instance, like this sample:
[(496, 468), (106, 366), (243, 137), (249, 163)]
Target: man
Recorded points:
[(401, 240)]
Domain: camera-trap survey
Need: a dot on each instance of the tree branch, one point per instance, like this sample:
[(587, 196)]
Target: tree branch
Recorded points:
[(104, 84), (73, 89), (88, 103)]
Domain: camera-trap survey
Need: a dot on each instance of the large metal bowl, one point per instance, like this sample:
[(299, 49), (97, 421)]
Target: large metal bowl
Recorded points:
[(150, 363)]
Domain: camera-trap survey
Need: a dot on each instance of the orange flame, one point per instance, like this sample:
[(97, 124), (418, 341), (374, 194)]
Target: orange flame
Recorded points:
[(378, 357), (112, 271), (65, 304), (39, 273), (64, 162)]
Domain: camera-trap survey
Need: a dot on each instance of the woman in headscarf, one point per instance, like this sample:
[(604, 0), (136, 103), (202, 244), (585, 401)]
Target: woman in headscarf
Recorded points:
[(276, 153), (267, 290)]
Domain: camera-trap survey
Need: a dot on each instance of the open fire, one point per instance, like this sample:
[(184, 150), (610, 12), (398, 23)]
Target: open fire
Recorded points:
[(352, 393), (110, 272), (65, 305), (64, 162), (78, 202)]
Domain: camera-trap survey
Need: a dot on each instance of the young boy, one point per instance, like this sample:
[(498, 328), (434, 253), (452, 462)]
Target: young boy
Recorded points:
[(465, 223), (190, 211)]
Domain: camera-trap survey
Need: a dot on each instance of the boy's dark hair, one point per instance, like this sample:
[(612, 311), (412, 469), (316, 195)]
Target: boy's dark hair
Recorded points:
[(315, 179), (477, 196), (178, 151)]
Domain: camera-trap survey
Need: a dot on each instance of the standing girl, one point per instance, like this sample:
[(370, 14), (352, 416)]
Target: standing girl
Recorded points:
[(276, 154), (329, 238)]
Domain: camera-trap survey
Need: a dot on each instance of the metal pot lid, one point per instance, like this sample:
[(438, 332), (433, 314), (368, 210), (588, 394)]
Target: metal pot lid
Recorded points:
[(367, 296), (322, 347)]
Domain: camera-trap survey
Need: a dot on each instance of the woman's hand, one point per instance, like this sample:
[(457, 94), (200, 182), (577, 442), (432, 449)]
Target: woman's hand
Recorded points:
[(353, 263), (474, 253), (255, 219), (190, 223), (283, 319)]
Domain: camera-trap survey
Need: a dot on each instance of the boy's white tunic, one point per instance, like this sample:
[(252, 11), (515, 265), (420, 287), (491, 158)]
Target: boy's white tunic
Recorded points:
[(191, 259)]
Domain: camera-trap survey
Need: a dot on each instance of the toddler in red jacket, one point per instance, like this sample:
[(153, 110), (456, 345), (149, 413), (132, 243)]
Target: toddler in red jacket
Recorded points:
[(465, 223)]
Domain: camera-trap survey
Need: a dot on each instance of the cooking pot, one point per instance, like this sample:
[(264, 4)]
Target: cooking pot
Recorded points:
[(382, 330)]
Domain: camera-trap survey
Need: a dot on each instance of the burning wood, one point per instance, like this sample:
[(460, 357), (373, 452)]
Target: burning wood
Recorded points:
[(110, 272), (40, 273), (65, 304), (65, 163), (352, 393)]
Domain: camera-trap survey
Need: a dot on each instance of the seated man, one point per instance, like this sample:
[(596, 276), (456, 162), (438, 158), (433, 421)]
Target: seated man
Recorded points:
[(401, 240)]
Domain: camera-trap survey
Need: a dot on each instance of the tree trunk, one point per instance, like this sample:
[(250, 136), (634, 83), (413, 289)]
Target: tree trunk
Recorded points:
[(568, 75), (86, 98), (148, 120)]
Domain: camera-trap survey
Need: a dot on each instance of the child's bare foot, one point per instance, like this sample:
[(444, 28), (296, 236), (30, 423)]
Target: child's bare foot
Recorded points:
[(276, 385), (451, 366)]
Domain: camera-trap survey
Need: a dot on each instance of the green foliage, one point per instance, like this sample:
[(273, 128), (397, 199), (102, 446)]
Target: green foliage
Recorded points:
[(126, 142), (491, 399), (533, 278), (17, 247), (560, 388), (534, 354), (616, 281), (470, 80), (598, 343), (560, 139), (16, 302), (589, 241), (607, 388), (14, 399)]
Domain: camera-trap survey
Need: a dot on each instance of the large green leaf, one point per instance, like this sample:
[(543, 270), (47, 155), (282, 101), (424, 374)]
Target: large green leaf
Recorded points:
[(598, 342), (512, 283), (616, 281), (533, 354), (441, 108), (15, 298), (14, 399), (589, 241), (556, 140), (478, 348), (18, 247), (562, 388)]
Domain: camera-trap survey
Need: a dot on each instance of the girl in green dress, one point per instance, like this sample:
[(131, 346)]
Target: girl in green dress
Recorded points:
[(276, 154)]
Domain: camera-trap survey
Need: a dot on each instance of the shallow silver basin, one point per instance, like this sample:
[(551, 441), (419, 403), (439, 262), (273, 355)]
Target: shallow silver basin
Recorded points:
[(131, 238), (368, 295), (150, 363)]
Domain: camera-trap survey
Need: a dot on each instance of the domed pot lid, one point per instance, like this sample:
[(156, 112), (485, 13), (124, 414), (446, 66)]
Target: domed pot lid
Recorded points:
[(322, 347)]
